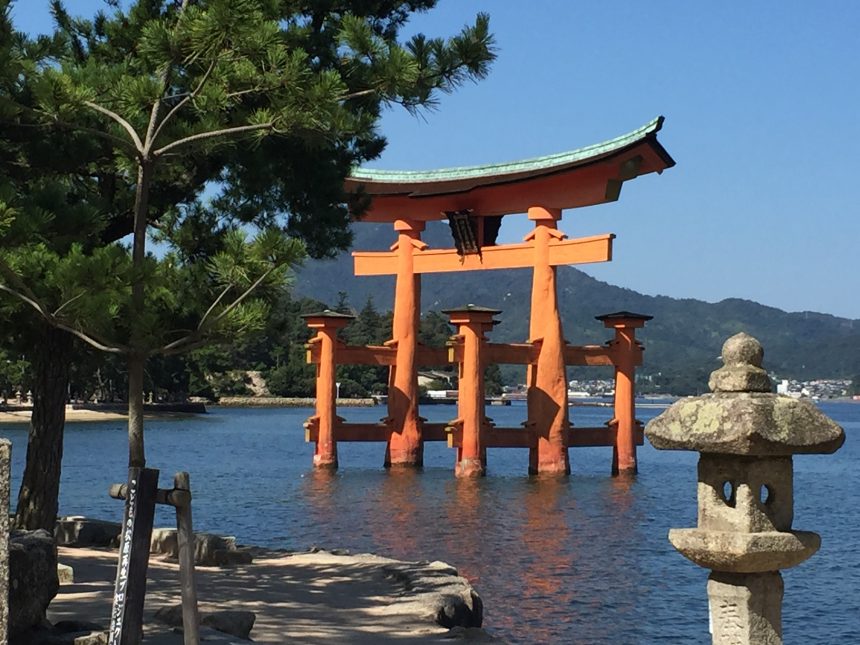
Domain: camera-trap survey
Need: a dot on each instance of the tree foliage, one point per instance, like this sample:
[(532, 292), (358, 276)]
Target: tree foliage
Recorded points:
[(266, 104)]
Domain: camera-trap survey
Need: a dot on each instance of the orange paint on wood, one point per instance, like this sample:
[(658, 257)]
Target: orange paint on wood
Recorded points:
[(404, 445), (588, 355), (546, 379), (322, 424), (628, 354), (597, 248), (379, 355), (471, 454)]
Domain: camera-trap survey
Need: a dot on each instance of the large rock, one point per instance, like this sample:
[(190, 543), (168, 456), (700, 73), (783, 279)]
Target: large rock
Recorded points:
[(233, 622), (439, 594), (209, 550), (33, 581), (79, 531)]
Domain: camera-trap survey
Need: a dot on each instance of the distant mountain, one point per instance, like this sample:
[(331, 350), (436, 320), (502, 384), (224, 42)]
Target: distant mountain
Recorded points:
[(685, 334)]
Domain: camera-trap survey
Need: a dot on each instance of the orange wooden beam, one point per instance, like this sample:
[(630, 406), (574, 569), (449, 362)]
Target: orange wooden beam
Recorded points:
[(378, 355), (512, 353), (578, 437), (373, 431), (583, 250), (588, 355)]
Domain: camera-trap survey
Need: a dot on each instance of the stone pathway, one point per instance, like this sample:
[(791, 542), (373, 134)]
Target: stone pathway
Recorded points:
[(314, 598)]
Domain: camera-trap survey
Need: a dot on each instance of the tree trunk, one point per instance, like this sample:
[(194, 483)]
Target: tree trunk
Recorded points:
[(136, 455), (137, 357), (38, 499)]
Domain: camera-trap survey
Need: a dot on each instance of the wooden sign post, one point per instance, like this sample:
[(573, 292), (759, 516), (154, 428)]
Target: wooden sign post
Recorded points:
[(126, 621), (127, 616)]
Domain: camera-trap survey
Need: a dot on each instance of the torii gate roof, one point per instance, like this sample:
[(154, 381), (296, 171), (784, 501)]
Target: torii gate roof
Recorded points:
[(583, 177)]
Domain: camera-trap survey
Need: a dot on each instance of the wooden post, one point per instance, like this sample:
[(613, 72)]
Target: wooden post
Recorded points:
[(126, 625), (327, 323), (627, 355), (472, 322), (547, 379), (185, 545), (405, 447)]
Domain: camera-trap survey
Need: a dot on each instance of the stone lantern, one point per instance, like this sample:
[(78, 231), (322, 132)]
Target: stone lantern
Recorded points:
[(746, 436)]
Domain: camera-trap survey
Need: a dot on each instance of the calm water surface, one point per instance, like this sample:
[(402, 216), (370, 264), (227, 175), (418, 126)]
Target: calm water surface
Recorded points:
[(583, 560)]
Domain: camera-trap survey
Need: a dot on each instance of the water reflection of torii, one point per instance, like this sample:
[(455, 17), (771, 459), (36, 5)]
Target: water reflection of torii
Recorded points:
[(474, 200)]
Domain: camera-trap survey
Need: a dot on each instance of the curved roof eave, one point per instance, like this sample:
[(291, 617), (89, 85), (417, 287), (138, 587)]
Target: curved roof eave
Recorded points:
[(450, 180)]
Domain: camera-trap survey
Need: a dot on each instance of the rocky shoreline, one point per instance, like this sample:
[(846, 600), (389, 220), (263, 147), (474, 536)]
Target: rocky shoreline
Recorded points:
[(265, 595), (286, 402)]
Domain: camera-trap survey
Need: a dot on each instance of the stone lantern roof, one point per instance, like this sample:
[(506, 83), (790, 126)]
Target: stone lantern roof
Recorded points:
[(742, 416)]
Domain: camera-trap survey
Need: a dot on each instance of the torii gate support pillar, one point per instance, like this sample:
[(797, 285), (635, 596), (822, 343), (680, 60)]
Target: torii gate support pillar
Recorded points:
[(547, 379), (405, 447), (472, 322), (327, 324), (628, 354)]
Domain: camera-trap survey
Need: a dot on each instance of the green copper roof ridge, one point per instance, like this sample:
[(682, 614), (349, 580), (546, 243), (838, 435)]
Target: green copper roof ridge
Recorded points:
[(511, 167)]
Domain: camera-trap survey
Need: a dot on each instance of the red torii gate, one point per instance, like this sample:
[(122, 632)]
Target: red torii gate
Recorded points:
[(474, 200)]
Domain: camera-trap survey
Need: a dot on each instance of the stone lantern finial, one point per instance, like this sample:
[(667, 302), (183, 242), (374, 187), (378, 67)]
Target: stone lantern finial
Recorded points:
[(741, 371), (746, 436)]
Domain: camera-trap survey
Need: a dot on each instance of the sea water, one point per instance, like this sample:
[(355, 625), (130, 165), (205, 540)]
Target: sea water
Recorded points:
[(579, 560)]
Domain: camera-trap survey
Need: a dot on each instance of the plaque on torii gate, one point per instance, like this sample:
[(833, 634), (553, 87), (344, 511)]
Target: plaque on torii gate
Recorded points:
[(473, 200)]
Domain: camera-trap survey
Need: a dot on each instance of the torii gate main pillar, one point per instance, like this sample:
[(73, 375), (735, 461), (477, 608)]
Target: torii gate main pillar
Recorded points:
[(547, 379), (405, 448)]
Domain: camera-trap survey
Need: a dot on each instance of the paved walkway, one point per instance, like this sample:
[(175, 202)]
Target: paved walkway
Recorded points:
[(314, 598)]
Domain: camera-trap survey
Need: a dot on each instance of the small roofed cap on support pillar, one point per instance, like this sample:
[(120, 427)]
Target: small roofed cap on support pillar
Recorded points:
[(623, 319), (742, 416), (327, 316), (474, 313)]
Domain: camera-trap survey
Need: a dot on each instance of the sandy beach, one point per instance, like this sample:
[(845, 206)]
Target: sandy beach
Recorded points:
[(315, 598), (75, 416)]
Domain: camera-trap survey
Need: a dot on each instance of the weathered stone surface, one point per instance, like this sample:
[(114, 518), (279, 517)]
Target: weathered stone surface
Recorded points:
[(235, 623), (5, 468), (65, 574), (33, 581), (746, 436), (745, 424), (472, 635), (742, 416), (68, 626), (229, 558), (746, 609), (745, 552), (741, 371), (439, 594), (749, 494), (79, 531), (209, 550)]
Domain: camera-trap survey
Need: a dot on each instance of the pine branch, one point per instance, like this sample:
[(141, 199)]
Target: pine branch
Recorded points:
[(54, 322), (65, 124), (90, 339), (245, 294), (156, 107), (116, 117), (12, 277), (24, 298), (214, 304), (183, 102), (270, 125), (68, 302), (197, 334)]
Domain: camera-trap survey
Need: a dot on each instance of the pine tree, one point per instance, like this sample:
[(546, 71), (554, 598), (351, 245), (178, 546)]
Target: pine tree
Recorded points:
[(271, 103)]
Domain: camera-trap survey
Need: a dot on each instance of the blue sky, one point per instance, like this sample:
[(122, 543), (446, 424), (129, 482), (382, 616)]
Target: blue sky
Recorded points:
[(761, 104)]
